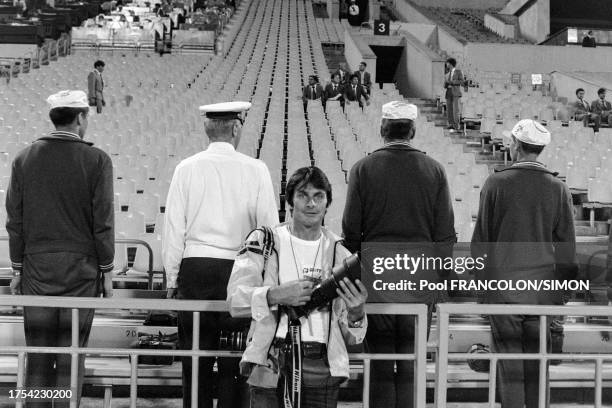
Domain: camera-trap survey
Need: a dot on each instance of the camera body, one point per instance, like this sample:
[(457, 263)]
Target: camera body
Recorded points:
[(325, 292)]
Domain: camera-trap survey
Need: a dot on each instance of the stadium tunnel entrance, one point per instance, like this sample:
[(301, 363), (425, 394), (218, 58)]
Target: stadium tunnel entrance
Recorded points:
[(387, 62)]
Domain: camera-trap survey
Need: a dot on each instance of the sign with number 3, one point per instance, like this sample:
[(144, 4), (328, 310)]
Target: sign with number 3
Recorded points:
[(381, 27)]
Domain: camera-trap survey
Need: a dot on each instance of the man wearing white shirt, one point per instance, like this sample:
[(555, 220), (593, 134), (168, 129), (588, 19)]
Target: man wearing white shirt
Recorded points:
[(216, 198)]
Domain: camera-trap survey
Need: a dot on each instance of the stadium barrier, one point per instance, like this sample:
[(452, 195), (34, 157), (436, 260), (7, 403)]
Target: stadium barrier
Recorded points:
[(445, 310), (197, 306)]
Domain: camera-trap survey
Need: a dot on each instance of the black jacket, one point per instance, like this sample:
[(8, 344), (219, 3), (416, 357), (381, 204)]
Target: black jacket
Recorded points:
[(397, 194), (60, 199), (525, 226)]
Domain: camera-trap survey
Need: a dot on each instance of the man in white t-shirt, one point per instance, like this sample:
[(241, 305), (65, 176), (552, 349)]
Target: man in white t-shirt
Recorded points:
[(273, 275)]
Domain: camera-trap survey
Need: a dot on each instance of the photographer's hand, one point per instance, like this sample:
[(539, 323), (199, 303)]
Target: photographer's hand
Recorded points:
[(354, 296), (295, 293)]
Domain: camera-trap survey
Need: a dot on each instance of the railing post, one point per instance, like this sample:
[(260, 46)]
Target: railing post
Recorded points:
[(74, 360), (598, 382), (441, 358), (492, 381), (195, 360), (20, 376), (420, 357), (133, 380), (543, 393), (367, 363)]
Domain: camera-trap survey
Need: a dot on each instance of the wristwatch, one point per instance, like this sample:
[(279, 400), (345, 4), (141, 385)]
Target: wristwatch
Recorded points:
[(356, 324), (16, 273)]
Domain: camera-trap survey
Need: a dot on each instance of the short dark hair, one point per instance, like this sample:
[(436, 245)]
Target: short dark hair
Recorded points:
[(530, 148), (99, 63), (354, 76), (601, 90), (397, 129), (452, 61), (579, 90), (64, 116), (308, 175), (335, 74), (363, 63)]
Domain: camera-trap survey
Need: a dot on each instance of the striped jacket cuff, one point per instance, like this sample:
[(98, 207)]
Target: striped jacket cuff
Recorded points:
[(106, 268), (17, 266)]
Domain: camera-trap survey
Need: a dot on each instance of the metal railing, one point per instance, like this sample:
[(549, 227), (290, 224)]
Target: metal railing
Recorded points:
[(445, 310), (197, 306)]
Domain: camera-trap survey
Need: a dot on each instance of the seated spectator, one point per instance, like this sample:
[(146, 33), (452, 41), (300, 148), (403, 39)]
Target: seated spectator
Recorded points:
[(334, 91), (364, 77), (312, 91), (589, 40), (354, 92), (343, 72), (602, 107), (583, 112)]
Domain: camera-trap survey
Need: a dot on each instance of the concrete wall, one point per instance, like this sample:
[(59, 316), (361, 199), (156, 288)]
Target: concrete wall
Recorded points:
[(565, 85), (445, 41), (423, 32), (498, 26), (421, 71), (513, 6), (356, 49), (18, 50), (409, 13), (534, 58), (534, 23), (473, 4)]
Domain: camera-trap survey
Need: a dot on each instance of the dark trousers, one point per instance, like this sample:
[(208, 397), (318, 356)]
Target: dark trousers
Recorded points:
[(56, 274), (319, 388), (518, 380), (206, 279), (392, 334)]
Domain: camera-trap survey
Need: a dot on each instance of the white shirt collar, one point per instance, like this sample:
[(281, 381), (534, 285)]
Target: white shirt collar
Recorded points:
[(220, 147)]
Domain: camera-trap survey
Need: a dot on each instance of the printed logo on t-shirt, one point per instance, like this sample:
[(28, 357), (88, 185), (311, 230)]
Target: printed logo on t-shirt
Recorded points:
[(312, 274)]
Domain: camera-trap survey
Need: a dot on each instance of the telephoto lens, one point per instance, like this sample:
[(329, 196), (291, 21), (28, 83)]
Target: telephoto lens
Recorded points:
[(326, 291)]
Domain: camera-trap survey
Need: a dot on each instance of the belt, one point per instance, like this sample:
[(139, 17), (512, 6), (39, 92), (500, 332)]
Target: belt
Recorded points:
[(312, 350)]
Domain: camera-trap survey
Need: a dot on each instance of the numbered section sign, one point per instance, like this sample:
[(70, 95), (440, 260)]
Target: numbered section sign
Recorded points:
[(381, 27)]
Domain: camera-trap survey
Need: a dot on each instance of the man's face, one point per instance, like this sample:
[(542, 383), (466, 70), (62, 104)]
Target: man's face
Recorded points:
[(311, 81), (336, 79), (100, 68), (580, 94), (602, 96), (309, 206), (362, 67), (355, 81)]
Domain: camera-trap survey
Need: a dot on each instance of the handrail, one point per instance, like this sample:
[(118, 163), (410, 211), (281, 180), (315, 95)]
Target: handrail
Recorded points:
[(126, 241), (543, 356), (197, 306)]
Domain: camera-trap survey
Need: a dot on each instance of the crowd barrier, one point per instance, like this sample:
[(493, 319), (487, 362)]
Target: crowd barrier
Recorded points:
[(198, 306), (445, 310)]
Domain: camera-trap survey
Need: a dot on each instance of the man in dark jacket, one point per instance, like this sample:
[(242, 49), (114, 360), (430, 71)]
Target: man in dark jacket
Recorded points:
[(312, 91), (60, 223), (525, 231), (354, 93), (397, 195)]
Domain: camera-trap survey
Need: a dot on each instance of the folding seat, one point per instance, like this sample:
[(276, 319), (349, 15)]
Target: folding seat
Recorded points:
[(131, 224)]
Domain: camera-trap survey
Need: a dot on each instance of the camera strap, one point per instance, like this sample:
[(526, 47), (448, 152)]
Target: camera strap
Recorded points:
[(292, 397)]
